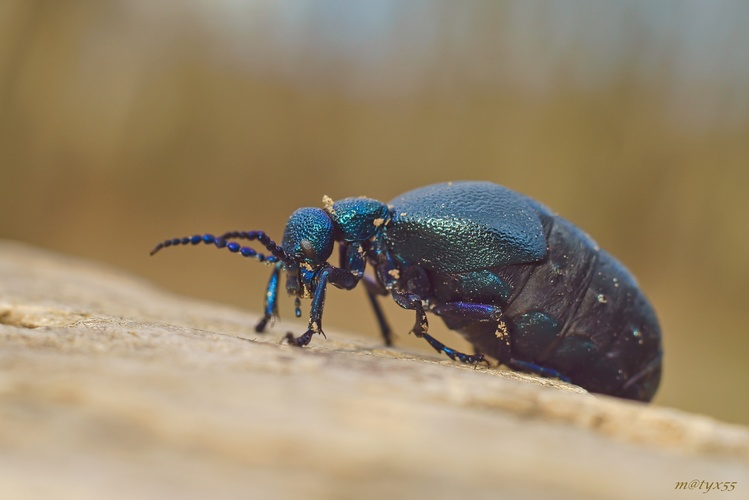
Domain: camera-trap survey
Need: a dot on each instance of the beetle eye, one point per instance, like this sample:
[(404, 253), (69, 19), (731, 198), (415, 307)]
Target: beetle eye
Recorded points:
[(308, 250)]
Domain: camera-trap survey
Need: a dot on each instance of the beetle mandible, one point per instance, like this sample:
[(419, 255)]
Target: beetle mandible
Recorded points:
[(521, 284)]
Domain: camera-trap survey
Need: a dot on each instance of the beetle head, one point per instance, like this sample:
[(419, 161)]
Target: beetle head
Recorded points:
[(308, 243)]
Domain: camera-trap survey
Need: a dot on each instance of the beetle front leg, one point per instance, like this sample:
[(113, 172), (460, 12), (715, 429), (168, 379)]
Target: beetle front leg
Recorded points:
[(315, 314), (421, 327), (339, 278), (271, 299)]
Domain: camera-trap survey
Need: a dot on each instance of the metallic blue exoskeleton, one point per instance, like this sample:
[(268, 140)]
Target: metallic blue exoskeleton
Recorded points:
[(520, 283)]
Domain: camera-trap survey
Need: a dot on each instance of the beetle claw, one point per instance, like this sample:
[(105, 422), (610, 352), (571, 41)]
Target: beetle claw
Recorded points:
[(302, 340)]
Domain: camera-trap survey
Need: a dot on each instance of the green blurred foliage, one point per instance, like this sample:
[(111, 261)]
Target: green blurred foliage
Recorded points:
[(123, 123)]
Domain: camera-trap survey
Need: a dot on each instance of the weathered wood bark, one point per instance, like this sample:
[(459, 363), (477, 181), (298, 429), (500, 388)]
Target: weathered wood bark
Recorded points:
[(111, 388)]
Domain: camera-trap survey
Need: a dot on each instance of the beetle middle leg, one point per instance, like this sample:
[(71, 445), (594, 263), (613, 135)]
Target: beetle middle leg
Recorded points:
[(353, 259), (374, 288), (421, 327)]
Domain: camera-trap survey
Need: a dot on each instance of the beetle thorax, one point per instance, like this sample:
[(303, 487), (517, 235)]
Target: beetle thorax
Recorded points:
[(357, 219)]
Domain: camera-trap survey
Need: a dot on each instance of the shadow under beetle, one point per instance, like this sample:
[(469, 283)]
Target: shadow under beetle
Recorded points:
[(520, 283)]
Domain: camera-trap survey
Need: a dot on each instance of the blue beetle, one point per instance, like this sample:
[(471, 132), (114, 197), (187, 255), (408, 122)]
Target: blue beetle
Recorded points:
[(521, 284)]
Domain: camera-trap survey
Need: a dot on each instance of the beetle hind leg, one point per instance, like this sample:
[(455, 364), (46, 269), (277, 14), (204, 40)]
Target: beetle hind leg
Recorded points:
[(525, 366), (421, 327), (470, 359), (460, 315)]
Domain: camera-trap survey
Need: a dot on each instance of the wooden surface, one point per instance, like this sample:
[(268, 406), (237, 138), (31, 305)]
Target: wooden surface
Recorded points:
[(111, 388)]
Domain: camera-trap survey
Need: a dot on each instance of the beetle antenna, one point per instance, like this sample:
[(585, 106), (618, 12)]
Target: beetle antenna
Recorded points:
[(221, 242), (264, 240)]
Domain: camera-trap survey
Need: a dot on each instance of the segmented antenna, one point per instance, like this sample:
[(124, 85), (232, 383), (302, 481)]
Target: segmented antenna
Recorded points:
[(234, 247)]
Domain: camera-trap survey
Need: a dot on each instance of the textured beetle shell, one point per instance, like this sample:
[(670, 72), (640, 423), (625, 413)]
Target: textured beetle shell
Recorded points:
[(568, 305), (608, 341), (465, 226)]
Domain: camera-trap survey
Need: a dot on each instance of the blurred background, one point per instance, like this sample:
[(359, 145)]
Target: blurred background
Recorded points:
[(125, 122)]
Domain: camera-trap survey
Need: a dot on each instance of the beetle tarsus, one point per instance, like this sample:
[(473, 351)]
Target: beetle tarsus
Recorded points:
[(525, 366), (469, 359), (301, 340), (260, 327)]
